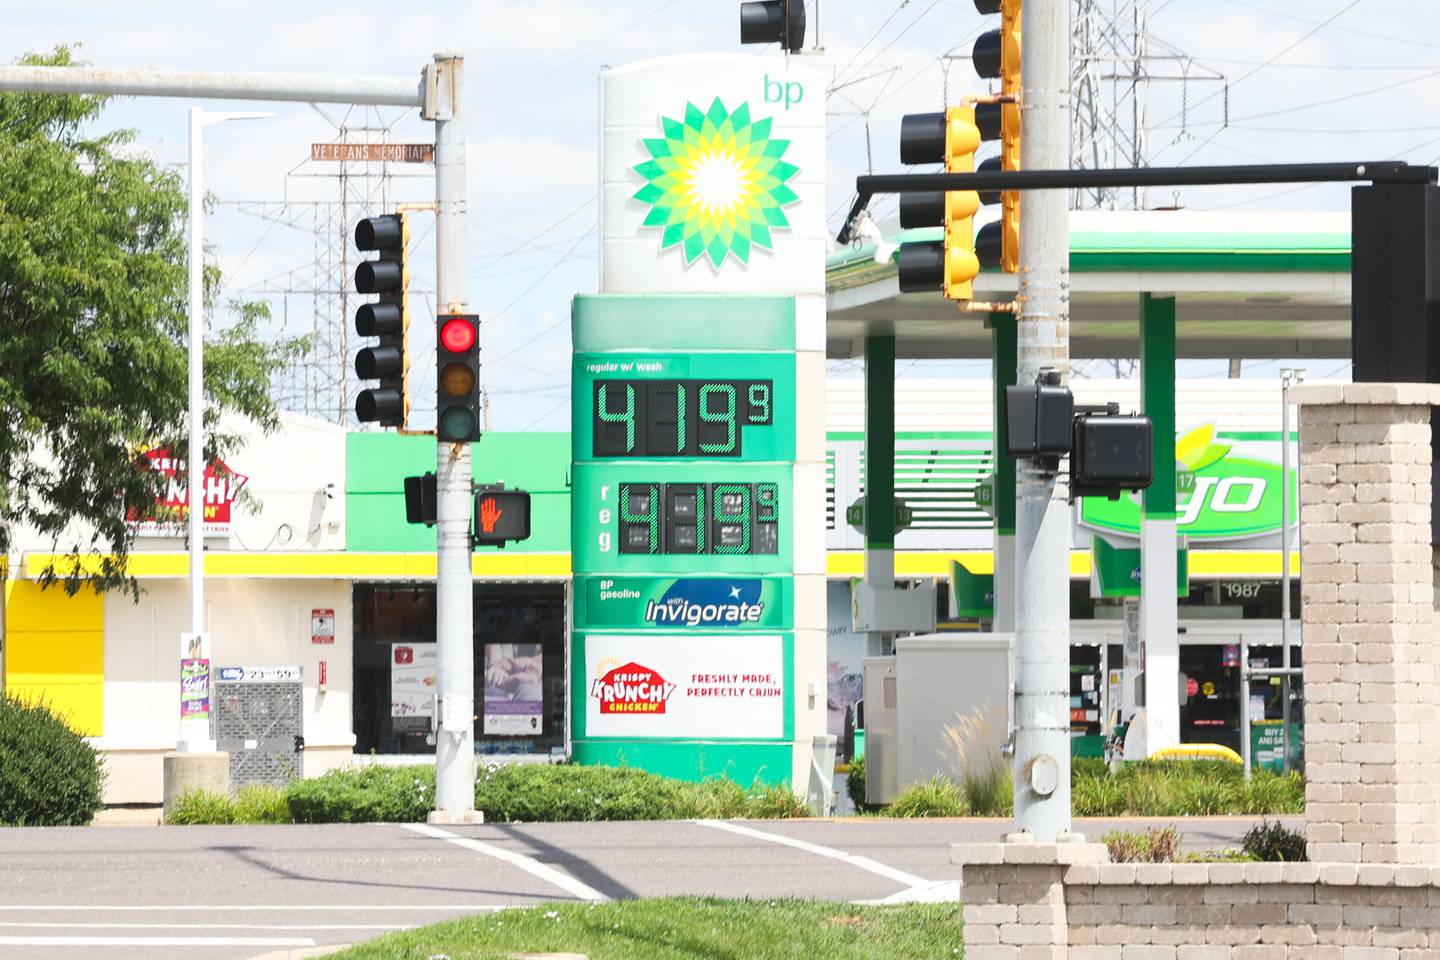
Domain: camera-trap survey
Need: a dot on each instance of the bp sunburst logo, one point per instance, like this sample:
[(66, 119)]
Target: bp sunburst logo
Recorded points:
[(716, 183)]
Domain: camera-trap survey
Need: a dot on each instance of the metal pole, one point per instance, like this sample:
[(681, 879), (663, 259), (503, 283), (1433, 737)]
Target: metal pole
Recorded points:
[(454, 606), (216, 85), (1042, 608), (1245, 705), (1287, 377), (195, 732)]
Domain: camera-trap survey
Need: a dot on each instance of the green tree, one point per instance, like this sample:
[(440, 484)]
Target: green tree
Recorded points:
[(93, 327)]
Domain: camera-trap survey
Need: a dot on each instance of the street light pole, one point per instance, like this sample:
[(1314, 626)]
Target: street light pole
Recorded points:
[(1288, 378), (454, 584), (195, 645)]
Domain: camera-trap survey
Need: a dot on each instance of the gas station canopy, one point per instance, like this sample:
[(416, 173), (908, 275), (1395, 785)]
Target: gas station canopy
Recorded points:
[(1247, 285)]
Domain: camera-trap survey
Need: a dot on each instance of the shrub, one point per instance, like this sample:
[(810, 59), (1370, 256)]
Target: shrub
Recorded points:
[(855, 783), (937, 797), (1155, 845), (1274, 841), (370, 794), (775, 801), (536, 793), (50, 776), (984, 774), (1274, 793), (258, 803), (1102, 796), (989, 792), (201, 806)]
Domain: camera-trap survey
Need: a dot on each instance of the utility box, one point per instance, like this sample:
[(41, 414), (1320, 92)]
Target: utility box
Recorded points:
[(954, 704), (259, 721), (882, 780)]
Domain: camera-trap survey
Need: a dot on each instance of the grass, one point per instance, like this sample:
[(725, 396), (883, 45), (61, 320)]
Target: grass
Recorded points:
[(686, 928), (1182, 788)]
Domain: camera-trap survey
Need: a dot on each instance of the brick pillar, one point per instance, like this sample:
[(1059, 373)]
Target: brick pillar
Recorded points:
[(1372, 708)]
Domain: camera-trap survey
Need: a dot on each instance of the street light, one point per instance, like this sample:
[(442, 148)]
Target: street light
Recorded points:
[(195, 645)]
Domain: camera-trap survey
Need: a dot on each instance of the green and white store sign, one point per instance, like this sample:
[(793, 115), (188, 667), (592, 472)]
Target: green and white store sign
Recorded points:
[(1228, 487)]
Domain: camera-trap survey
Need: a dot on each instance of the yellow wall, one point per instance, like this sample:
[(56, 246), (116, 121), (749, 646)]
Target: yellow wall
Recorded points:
[(55, 651)]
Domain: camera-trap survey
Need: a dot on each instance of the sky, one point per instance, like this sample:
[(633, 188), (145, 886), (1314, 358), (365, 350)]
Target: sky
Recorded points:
[(1303, 80)]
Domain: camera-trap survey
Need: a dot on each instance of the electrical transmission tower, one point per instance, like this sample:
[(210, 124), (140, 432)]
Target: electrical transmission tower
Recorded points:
[(1114, 61), (317, 298)]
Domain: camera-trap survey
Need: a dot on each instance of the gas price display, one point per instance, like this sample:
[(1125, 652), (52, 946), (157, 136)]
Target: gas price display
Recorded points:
[(699, 518), (678, 418)]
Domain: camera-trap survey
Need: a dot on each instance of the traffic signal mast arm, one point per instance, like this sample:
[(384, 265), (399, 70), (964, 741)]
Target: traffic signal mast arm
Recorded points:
[(1386, 171)]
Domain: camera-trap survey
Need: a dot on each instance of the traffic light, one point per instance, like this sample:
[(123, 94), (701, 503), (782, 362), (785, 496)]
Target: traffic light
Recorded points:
[(997, 55), (774, 21), (421, 499), (500, 516), (949, 264), (388, 319), (457, 378)]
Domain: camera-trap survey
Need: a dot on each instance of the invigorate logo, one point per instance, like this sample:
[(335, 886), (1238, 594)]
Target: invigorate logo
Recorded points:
[(707, 603), (631, 688), (716, 183)]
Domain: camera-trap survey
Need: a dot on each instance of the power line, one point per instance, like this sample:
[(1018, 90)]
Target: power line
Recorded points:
[(1316, 29)]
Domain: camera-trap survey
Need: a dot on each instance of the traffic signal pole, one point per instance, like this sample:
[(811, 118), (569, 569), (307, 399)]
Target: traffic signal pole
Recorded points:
[(1042, 594), (439, 96), (454, 609)]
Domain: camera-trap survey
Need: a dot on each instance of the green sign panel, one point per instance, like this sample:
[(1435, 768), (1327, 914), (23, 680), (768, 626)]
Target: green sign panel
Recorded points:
[(1118, 570), (646, 517), (1266, 743), (855, 514), (711, 406), (670, 603), (1224, 491), (973, 593), (682, 519)]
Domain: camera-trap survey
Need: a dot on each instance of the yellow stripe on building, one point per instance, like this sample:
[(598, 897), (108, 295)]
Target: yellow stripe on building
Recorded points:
[(501, 566)]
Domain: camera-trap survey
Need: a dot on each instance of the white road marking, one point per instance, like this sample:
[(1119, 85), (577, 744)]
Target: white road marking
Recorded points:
[(864, 863), (54, 925), (530, 865), (247, 907), (156, 942), (941, 891)]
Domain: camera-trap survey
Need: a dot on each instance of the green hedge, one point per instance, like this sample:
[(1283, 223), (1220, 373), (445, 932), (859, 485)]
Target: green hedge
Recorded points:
[(503, 793), (49, 775), (1183, 788)]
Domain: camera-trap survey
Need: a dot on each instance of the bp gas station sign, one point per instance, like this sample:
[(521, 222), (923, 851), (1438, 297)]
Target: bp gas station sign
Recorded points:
[(693, 441), (1227, 489)]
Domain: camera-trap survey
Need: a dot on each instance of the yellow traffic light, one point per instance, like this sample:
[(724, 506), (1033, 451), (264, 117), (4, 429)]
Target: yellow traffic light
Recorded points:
[(1010, 132), (962, 139)]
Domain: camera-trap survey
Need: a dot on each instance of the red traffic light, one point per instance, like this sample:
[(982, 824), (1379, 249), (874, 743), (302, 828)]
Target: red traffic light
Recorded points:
[(457, 334)]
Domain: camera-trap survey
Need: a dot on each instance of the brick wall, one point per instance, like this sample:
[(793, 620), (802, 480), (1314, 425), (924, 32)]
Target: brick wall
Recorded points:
[(1199, 911), (1372, 716)]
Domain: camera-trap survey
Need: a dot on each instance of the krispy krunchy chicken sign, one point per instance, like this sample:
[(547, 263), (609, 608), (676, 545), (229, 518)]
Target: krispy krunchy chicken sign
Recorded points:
[(631, 688)]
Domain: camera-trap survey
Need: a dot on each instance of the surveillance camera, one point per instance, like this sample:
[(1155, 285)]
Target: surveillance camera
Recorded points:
[(866, 230)]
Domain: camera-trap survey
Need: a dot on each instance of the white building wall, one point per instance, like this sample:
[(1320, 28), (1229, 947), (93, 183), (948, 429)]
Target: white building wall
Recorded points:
[(252, 623)]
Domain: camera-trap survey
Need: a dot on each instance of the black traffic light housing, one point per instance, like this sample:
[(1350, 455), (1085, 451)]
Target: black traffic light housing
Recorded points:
[(1109, 453), (1038, 418), (457, 378), (386, 319), (420, 499), (774, 21)]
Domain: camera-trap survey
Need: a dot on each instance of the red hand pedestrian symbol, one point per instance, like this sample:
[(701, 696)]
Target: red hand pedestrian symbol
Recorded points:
[(489, 515)]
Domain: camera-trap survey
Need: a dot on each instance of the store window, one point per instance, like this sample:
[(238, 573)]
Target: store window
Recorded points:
[(519, 646)]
